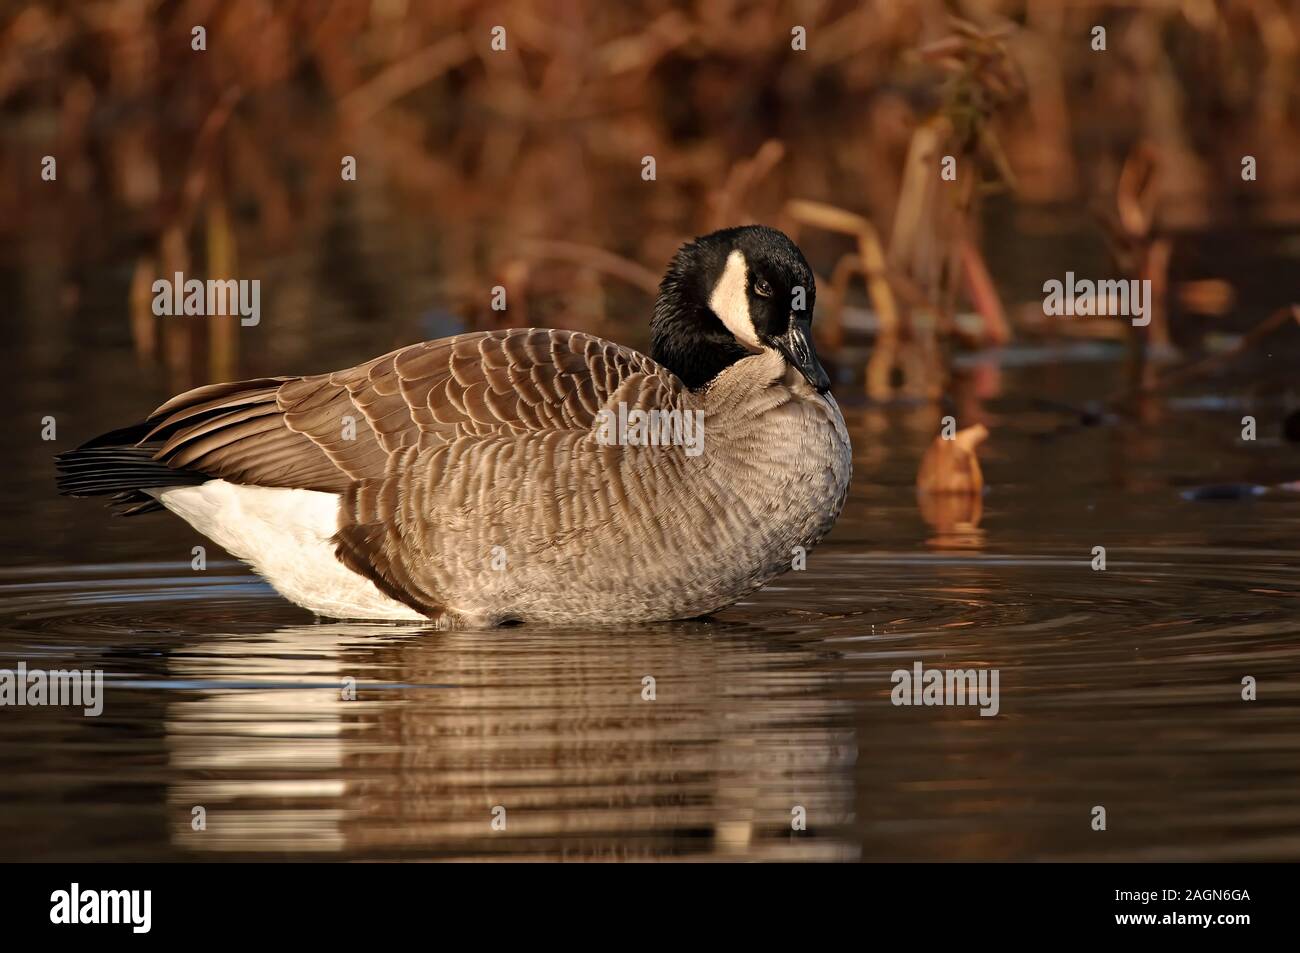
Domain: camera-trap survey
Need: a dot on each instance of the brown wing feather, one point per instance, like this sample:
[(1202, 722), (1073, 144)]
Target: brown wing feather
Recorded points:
[(330, 431)]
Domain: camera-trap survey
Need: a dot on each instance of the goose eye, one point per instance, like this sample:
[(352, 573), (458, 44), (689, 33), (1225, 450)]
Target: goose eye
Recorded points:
[(762, 289)]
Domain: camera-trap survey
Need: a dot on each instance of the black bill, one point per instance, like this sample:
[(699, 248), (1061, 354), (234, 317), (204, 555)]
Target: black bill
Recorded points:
[(797, 346)]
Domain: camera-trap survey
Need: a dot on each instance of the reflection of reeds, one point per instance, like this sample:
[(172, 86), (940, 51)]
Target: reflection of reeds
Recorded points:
[(526, 162)]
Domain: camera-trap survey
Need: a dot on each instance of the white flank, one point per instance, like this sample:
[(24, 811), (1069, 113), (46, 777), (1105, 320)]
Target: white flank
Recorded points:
[(730, 301), (285, 535)]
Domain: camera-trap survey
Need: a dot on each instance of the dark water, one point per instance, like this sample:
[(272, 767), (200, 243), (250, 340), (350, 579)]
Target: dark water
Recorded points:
[(1120, 688)]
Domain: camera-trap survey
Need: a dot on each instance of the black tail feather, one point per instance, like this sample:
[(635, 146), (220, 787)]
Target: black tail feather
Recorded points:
[(117, 465)]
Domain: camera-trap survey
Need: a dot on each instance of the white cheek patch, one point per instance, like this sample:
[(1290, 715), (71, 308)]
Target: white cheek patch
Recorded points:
[(730, 301)]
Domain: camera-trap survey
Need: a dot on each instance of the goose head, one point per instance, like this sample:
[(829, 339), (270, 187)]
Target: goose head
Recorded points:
[(731, 294)]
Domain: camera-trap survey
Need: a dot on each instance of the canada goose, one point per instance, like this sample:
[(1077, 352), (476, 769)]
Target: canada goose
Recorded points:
[(504, 476)]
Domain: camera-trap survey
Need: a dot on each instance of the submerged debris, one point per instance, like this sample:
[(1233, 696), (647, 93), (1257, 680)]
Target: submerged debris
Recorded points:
[(950, 488), (950, 464), (1225, 491)]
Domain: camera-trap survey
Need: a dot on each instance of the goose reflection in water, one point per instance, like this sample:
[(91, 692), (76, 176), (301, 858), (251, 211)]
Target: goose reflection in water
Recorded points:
[(559, 729)]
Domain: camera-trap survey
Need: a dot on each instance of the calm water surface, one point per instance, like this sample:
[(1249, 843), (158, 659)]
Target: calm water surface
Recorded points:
[(1119, 688)]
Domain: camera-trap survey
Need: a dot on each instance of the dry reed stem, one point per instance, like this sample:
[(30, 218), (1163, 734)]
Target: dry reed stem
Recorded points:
[(599, 259), (874, 267), (1277, 320)]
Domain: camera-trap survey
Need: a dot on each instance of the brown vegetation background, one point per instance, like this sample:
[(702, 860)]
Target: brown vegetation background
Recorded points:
[(523, 168)]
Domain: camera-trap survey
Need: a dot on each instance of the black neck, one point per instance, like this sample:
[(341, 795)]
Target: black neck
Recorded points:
[(685, 335)]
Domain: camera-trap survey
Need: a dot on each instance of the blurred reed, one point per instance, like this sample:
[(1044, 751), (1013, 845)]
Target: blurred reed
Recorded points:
[(527, 162)]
